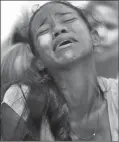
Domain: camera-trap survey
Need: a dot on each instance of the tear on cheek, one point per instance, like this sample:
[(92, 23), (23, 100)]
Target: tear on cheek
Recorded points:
[(45, 40)]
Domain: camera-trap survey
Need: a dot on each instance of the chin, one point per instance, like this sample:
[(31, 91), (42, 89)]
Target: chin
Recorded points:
[(69, 57)]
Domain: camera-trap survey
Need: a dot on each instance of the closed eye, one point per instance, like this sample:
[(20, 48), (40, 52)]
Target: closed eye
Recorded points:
[(43, 32), (69, 20)]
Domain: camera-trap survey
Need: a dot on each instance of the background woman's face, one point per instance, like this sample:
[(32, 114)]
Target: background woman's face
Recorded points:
[(108, 31), (60, 35)]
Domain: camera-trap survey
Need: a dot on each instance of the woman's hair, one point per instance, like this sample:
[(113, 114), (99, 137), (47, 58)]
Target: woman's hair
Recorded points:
[(16, 65), (19, 66)]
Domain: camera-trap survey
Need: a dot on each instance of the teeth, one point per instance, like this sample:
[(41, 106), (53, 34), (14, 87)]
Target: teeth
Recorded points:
[(64, 41)]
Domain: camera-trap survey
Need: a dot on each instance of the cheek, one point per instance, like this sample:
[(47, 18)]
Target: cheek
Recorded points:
[(44, 48), (81, 30), (74, 26), (83, 35), (45, 40)]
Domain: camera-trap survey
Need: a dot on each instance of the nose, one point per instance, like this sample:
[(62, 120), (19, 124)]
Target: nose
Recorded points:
[(58, 30)]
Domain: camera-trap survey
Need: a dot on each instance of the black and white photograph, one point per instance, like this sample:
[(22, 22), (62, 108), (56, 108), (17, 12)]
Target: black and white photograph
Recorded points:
[(59, 70)]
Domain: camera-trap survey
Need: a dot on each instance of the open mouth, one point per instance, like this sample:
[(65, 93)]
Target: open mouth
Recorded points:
[(64, 43)]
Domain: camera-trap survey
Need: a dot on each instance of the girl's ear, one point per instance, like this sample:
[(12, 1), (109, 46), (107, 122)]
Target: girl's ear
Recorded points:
[(95, 38), (38, 64)]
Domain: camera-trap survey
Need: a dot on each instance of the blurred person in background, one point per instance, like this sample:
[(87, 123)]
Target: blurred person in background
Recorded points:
[(103, 16)]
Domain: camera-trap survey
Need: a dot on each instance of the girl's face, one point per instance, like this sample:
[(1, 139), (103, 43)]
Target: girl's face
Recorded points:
[(60, 35)]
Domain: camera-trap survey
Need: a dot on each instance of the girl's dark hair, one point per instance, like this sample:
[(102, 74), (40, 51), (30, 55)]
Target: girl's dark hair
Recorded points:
[(56, 109)]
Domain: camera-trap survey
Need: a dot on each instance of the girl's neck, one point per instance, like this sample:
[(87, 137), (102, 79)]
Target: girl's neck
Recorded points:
[(78, 85)]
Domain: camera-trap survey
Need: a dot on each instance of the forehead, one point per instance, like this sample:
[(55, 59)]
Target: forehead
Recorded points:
[(52, 9)]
